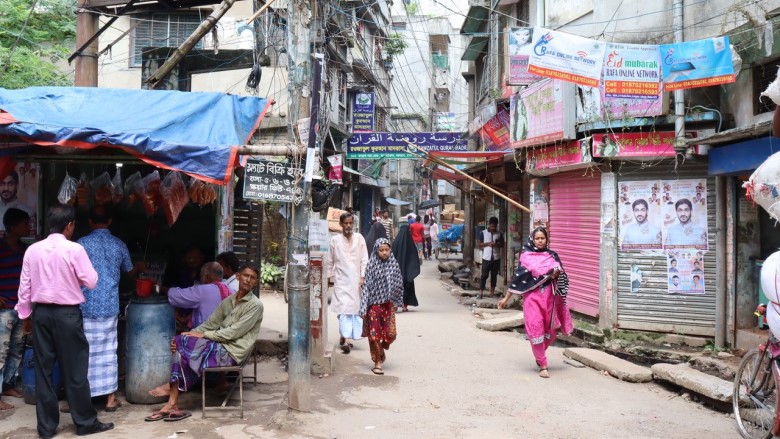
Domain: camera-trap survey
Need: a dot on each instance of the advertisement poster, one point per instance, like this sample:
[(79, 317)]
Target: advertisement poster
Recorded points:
[(336, 173), (539, 116), (497, 130), (639, 210), (567, 57), (19, 189), (685, 268), (636, 278), (632, 71), (685, 214), (519, 48), (540, 207), (363, 113), (699, 63), (554, 157), (653, 145)]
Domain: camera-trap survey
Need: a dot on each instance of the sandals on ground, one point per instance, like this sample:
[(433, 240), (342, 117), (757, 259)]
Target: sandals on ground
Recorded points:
[(378, 371), (544, 373), (113, 408), (177, 415), (157, 416)]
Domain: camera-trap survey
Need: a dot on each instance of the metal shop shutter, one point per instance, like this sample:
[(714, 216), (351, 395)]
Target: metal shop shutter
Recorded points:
[(575, 211), (652, 308)]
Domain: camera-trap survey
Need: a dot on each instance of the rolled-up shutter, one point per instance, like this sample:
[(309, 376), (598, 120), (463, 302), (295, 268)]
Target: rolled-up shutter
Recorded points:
[(575, 210)]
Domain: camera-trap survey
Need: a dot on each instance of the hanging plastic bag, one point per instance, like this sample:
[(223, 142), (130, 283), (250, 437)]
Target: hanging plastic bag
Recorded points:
[(134, 188), (174, 195), (151, 198), (201, 193), (82, 191), (103, 189), (67, 192), (116, 195)]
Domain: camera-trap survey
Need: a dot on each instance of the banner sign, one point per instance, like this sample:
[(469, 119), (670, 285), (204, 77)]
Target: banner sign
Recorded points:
[(632, 71), (553, 157), (539, 116), (272, 181), (567, 57), (497, 130), (519, 47), (540, 207), (685, 269), (653, 145), (699, 63), (336, 173), (363, 113), (394, 146), (675, 209), (594, 106)]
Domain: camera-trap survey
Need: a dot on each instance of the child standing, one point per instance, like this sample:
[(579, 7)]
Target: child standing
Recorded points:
[(383, 291)]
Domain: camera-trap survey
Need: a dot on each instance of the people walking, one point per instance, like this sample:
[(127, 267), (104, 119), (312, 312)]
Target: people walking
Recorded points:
[(347, 267), (382, 293), (427, 237), (17, 225), (53, 272), (418, 237), (388, 223), (377, 231), (542, 281), (490, 243), (434, 238), (110, 257), (405, 253)]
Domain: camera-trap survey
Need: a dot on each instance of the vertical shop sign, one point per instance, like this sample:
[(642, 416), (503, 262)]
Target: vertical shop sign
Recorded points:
[(363, 113)]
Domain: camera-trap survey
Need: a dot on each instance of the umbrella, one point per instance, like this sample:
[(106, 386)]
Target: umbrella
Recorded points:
[(397, 202), (427, 204)]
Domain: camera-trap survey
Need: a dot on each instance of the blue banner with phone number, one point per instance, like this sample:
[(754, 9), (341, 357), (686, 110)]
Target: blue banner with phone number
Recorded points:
[(699, 63)]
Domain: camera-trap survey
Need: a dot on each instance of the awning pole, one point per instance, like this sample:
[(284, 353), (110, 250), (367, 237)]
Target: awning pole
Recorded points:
[(481, 183)]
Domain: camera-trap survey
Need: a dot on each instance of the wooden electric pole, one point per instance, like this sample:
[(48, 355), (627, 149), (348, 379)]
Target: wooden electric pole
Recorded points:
[(86, 67)]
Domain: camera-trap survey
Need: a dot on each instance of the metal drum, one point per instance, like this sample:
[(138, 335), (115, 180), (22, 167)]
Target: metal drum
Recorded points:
[(150, 327)]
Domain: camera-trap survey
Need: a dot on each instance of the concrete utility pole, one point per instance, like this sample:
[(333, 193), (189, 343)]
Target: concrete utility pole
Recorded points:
[(299, 19), (86, 68), (679, 95)]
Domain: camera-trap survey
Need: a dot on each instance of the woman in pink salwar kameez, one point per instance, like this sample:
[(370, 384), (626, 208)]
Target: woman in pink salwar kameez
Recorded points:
[(543, 283)]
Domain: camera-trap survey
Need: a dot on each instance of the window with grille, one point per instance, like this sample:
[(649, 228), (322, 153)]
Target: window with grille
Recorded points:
[(162, 30), (763, 75)]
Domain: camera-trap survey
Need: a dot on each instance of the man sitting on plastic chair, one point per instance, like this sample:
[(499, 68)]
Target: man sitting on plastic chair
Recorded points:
[(225, 339)]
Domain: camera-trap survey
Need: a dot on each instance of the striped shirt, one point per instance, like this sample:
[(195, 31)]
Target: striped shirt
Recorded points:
[(10, 270)]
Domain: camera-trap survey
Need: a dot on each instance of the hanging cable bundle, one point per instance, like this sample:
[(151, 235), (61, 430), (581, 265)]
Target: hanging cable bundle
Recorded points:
[(253, 82)]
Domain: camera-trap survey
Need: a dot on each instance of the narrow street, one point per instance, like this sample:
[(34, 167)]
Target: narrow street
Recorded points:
[(443, 379)]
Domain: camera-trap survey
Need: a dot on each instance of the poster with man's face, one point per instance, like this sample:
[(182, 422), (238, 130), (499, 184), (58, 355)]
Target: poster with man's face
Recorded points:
[(685, 269), (639, 213), (19, 190), (685, 214)]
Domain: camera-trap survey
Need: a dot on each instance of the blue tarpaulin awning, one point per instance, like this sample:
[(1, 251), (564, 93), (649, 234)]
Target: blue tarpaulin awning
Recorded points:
[(195, 133)]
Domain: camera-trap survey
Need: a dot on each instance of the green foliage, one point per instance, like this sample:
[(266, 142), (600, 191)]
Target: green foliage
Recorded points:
[(395, 44), (35, 39), (270, 273), (412, 8)]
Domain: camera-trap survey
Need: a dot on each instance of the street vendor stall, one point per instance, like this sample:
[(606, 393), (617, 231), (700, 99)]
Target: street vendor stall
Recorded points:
[(161, 161)]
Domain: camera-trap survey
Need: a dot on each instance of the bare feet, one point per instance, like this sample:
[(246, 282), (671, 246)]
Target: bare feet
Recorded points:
[(5, 406), (164, 390), (13, 393)]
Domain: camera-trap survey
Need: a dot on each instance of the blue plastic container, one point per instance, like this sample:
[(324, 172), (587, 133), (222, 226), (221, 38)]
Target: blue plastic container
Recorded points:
[(150, 328), (28, 376)]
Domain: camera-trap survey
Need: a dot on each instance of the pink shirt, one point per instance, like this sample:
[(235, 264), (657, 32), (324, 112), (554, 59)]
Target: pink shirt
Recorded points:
[(53, 272)]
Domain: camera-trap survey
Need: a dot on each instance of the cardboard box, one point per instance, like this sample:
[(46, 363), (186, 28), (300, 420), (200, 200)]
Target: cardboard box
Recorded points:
[(447, 217), (450, 207)]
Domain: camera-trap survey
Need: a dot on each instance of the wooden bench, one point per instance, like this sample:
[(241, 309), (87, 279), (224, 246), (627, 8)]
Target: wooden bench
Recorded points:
[(238, 382)]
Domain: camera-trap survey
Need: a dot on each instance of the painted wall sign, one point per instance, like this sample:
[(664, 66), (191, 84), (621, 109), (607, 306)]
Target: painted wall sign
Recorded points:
[(393, 145), (566, 57), (363, 113), (699, 63), (539, 113)]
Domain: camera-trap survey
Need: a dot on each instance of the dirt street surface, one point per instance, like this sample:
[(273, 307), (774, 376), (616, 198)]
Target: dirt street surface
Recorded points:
[(443, 379)]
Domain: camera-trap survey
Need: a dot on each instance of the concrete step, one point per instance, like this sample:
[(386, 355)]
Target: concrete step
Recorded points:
[(699, 382), (502, 323), (618, 368)]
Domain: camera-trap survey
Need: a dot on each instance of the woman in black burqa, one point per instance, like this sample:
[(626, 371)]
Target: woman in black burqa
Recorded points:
[(376, 232), (405, 253)]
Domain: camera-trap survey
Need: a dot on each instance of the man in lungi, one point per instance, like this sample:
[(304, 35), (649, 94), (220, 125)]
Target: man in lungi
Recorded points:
[(347, 267), (225, 339), (109, 257)]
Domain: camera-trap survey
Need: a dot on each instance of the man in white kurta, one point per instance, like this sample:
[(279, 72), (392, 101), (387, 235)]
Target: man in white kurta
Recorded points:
[(347, 267)]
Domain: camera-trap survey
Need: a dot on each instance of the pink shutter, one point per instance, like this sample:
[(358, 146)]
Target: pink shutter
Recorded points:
[(575, 210)]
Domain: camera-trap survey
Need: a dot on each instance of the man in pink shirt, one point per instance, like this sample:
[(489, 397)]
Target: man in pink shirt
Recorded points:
[(53, 272)]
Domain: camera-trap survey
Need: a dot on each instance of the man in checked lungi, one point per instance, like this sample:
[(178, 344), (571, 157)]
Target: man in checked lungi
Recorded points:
[(110, 257), (227, 338)]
